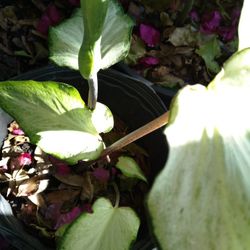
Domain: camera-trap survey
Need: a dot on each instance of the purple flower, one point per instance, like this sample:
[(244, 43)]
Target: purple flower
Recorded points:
[(194, 16), (101, 174), (68, 217), (149, 61), (17, 131), (227, 33), (74, 2), (149, 35), (210, 22), (51, 16), (24, 159)]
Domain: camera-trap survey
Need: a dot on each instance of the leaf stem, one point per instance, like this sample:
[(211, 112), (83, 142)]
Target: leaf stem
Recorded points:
[(117, 194), (93, 91), (137, 134)]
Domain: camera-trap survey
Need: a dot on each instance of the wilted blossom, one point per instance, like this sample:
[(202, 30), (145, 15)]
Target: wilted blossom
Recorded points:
[(149, 61), (24, 159), (149, 34), (210, 22), (101, 174), (51, 16)]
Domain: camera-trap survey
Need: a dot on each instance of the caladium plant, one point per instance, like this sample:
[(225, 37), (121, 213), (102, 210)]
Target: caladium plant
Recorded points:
[(58, 121), (200, 200)]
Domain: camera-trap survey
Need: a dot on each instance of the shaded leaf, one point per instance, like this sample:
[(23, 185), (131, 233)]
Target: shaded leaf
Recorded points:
[(201, 198), (130, 168), (105, 229), (209, 51)]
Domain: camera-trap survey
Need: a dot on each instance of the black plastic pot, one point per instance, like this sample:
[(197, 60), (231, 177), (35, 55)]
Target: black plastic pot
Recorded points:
[(166, 94), (132, 101)]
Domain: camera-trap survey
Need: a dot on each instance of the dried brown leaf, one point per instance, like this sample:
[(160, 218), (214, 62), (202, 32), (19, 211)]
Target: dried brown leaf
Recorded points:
[(60, 196)]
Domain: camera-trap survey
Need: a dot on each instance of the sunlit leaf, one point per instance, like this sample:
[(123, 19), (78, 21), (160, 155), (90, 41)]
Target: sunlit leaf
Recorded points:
[(55, 118), (130, 168), (66, 39), (107, 228), (201, 198)]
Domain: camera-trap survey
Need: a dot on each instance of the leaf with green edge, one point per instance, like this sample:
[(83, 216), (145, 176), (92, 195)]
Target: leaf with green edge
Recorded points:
[(55, 118), (209, 50), (107, 228), (65, 39), (201, 198), (130, 168)]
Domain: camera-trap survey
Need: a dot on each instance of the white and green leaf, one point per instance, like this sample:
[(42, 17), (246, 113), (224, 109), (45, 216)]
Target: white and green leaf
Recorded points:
[(102, 47), (130, 168), (201, 198), (55, 118), (107, 228)]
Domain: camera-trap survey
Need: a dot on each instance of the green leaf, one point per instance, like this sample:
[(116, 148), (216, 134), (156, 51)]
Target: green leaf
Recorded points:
[(130, 168), (107, 228), (209, 50), (65, 40), (55, 118), (201, 198)]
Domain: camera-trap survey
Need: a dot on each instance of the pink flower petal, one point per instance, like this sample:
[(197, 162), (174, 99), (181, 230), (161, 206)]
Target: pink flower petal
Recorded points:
[(17, 131), (68, 217), (227, 33), (101, 174), (149, 35), (61, 167), (149, 61), (194, 16), (74, 2), (210, 22), (24, 159), (44, 24), (54, 14), (87, 207)]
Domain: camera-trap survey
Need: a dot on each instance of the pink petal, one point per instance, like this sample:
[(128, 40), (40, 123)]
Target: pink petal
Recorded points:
[(210, 22), (87, 207), (101, 174), (194, 16), (24, 159), (149, 35), (43, 24), (68, 217), (227, 33), (54, 14), (17, 131), (61, 167), (74, 2), (149, 61)]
